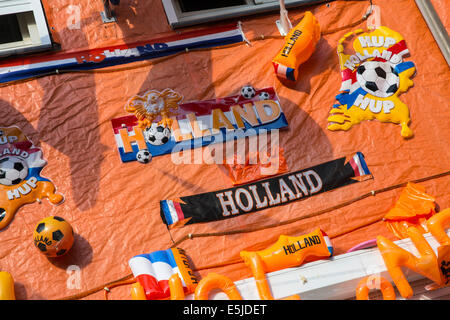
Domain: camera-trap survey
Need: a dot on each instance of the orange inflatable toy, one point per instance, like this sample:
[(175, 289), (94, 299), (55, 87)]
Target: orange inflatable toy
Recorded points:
[(287, 252), (368, 283), (395, 257), (216, 281), (436, 225), (299, 45), (413, 208)]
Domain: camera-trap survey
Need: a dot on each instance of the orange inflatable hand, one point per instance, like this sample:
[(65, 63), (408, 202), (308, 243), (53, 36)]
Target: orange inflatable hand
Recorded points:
[(395, 257)]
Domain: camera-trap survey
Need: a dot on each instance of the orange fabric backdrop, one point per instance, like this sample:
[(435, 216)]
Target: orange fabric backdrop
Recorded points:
[(114, 207)]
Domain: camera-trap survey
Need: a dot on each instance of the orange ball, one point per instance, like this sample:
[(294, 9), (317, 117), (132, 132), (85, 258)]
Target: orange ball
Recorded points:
[(53, 236)]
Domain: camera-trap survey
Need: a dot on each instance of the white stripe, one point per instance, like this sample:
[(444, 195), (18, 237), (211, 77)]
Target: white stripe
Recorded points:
[(57, 63), (62, 62), (354, 86), (141, 265), (282, 70), (35, 160), (346, 85), (213, 36), (358, 163), (163, 270), (172, 210), (177, 270), (327, 241)]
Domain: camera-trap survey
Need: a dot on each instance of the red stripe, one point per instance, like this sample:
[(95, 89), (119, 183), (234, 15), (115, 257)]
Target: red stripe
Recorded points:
[(129, 121), (355, 167), (96, 51), (348, 74), (164, 285), (151, 287), (398, 47), (178, 210), (199, 108)]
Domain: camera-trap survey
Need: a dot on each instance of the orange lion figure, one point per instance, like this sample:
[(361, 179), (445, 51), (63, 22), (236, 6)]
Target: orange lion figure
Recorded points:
[(20, 182), (154, 104)]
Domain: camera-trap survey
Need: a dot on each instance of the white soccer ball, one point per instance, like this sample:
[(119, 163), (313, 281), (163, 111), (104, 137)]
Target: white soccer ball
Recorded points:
[(157, 134), (12, 171), (378, 78), (248, 92), (143, 156), (263, 96)]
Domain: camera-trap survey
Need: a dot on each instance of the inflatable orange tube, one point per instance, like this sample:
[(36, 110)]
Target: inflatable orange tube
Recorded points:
[(176, 287), (216, 281), (377, 282), (287, 252), (6, 286), (436, 225), (137, 292)]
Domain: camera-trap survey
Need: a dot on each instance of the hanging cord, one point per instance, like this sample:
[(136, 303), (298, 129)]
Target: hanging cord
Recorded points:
[(191, 236), (142, 64)]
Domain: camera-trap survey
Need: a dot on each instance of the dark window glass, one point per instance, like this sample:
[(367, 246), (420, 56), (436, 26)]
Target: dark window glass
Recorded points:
[(9, 29), (195, 5)]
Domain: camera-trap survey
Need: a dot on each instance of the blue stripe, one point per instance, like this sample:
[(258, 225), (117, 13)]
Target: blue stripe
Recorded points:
[(113, 61), (162, 256), (404, 66), (363, 163), (166, 211), (167, 148), (290, 74), (35, 172), (331, 250)]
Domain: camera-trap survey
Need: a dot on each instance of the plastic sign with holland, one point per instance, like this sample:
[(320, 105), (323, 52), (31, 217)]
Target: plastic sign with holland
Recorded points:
[(372, 79), (20, 181), (193, 124)]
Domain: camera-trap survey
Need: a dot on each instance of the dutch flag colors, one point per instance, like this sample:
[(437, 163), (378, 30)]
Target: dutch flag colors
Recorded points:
[(153, 271), (359, 165)]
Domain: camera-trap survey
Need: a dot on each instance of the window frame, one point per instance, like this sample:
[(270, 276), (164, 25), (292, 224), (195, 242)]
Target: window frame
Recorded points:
[(33, 24)]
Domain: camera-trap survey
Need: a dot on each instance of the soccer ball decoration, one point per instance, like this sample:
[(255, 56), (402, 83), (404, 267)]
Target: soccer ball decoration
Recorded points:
[(53, 236), (248, 92), (157, 134), (263, 96), (378, 78), (12, 171), (143, 156)]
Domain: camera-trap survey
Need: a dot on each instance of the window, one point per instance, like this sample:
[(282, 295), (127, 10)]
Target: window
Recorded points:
[(183, 13), (23, 27)]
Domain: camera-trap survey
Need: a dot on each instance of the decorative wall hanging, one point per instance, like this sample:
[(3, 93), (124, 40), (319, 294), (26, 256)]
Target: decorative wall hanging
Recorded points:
[(21, 164), (195, 124), (266, 193), (20, 68), (372, 79)]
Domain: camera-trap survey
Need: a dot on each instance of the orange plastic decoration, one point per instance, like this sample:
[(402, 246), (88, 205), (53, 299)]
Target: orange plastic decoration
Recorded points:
[(216, 281), (6, 286), (436, 225), (20, 182), (299, 45), (377, 282), (176, 287), (137, 292), (413, 208), (287, 252), (395, 257), (154, 104), (250, 169)]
